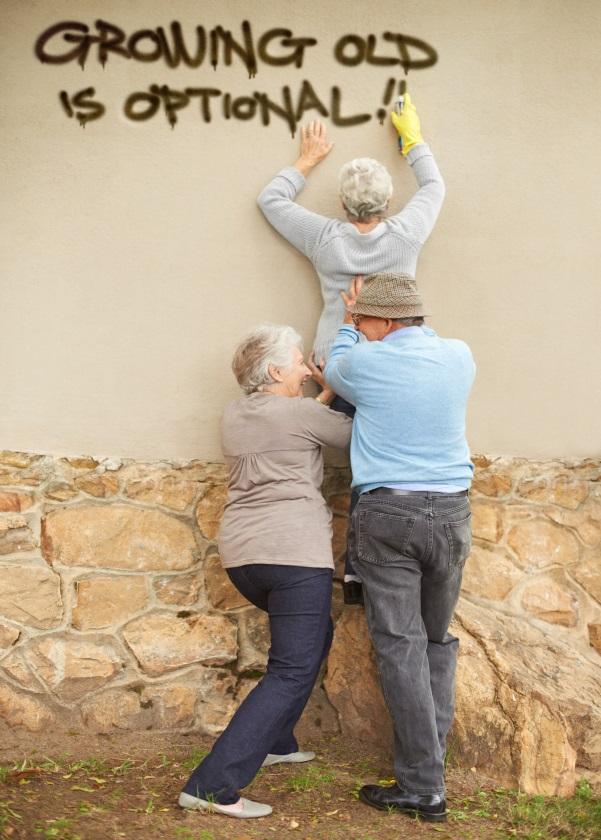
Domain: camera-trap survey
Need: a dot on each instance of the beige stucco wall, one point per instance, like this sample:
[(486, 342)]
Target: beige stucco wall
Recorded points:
[(134, 255)]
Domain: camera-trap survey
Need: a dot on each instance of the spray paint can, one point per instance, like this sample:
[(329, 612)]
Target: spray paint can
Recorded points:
[(399, 104)]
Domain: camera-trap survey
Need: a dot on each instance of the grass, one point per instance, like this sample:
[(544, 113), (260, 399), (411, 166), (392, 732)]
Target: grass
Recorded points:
[(539, 817), (57, 830), (534, 817), (310, 778), (183, 833), (89, 765), (195, 757), (123, 768), (8, 817)]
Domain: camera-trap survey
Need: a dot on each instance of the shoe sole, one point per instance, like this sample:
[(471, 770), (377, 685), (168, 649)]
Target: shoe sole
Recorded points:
[(410, 812)]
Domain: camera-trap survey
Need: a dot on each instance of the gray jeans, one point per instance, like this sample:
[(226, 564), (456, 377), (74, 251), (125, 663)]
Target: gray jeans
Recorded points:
[(410, 553)]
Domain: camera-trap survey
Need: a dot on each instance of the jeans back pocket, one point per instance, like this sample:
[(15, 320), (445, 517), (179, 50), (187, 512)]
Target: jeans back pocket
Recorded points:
[(383, 536), (459, 536)]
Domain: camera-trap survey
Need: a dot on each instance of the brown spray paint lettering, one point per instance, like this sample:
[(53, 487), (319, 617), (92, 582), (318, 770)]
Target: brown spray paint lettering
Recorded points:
[(147, 45), (143, 105), (69, 41)]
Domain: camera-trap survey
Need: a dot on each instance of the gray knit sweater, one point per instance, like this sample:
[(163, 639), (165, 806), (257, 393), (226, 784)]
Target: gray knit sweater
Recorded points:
[(339, 251)]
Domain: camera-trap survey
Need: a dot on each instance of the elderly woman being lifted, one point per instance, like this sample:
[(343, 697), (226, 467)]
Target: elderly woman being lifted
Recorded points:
[(368, 242)]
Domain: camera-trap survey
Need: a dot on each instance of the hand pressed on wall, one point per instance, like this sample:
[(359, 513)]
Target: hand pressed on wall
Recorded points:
[(314, 146)]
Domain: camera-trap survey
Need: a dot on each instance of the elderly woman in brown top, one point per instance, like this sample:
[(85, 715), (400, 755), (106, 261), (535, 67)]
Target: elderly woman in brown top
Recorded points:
[(275, 544)]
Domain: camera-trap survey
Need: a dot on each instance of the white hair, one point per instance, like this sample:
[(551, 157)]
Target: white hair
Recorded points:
[(365, 188), (266, 345)]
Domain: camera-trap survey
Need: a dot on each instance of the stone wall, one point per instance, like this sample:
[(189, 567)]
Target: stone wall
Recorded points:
[(115, 613)]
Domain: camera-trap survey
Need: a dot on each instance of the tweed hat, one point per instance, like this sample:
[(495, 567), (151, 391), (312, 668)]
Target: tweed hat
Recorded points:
[(389, 296)]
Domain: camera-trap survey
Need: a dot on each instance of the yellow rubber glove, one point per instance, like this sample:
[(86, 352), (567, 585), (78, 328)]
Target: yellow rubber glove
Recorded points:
[(407, 126)]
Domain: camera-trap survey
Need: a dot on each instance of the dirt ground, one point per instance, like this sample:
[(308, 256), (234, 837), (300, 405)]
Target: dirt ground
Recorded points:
[(81, 787)]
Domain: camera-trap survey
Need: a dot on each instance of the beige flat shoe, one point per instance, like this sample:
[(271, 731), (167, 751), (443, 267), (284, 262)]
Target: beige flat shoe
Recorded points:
[(248, 811)]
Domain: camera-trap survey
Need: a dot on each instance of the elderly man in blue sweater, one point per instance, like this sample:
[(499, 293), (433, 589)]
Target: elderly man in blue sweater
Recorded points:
[(411, 466)]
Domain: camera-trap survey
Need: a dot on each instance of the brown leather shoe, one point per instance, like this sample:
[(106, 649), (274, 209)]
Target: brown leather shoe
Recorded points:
[(428, 806)]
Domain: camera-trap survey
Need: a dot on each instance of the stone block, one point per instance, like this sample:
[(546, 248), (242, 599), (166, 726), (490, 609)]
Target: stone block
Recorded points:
[(218, 703), (538, 543), (547, 758), (72, 667), (319, 718), (492, 482), (15, 502), (19, 671), (546, 691), (586, 521), (19, 460), (482, 735), (60, 491), (204, 472), (254, 639), (489, 574), (30, 476), (101, 485), (86, 462), (223, 595), (30, 595), (352, 684), (19, 709), (588, 470), (164, 642), (173, 705), (182, 590), (562, 490), (204, 700), (209, 511), (15, 535), (117, 537), (8, 636), (487, 521), (160, 486), (549, 598), (588, 574), (594, 636), (104, 601), (117, 709)]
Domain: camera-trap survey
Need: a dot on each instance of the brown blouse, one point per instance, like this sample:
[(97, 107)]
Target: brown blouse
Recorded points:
[(275, 511)]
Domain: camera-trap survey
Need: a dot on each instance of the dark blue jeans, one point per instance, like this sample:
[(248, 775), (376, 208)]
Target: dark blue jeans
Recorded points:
[(411, 551), (297, 599)]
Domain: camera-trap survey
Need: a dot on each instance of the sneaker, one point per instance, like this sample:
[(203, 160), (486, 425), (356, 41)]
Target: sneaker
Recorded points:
[(243, 809), (289, 758)]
